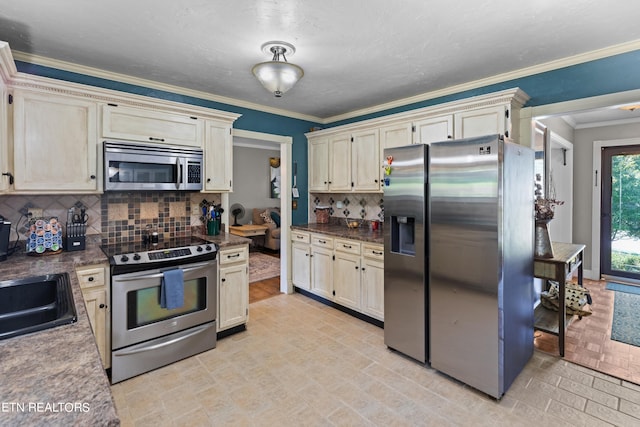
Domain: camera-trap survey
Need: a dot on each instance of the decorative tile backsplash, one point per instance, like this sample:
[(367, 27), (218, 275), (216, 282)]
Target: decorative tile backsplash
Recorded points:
[(365, 206), (12, 208), (116, 216)]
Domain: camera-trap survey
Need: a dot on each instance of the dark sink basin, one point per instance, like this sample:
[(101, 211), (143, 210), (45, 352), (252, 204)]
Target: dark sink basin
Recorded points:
[(35, 303)]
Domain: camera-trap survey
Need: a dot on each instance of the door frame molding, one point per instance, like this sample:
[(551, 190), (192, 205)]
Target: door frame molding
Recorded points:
[(286, 162), (597, 196)]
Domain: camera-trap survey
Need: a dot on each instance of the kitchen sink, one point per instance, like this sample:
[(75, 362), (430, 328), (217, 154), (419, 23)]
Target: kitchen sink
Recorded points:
[(35, 303)]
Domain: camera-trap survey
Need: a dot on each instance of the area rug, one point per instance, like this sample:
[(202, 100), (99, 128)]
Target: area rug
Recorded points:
[(621, 287), (262, 266), (626, 318)]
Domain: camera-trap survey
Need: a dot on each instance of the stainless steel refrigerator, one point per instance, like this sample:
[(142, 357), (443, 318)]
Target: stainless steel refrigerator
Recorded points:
[(406, 226), (481, 266)]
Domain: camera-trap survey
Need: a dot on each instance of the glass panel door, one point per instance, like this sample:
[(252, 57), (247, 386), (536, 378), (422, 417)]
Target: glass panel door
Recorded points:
[(620, 218)]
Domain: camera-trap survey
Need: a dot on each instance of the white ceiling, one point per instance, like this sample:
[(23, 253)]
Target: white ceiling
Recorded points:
[(356, 54)]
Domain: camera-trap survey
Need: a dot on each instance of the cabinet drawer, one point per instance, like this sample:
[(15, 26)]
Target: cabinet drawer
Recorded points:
[(232, 255), (348, 246), (300, 237), (371, 251), (322, 241), (91, 277)]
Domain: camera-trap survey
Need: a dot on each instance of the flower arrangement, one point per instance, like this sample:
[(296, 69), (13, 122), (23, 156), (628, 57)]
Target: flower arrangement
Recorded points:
[(545, 208)]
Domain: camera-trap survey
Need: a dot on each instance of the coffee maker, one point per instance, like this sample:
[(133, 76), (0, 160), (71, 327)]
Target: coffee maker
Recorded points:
[(5, 228)]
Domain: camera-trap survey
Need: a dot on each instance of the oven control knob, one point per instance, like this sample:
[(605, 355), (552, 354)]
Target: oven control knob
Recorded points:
[(124, 258), (208, 247), (136, 257), (199, 249)]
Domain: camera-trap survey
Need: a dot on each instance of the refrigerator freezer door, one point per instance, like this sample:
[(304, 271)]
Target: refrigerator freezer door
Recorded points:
[(406, 244), (475, 270)]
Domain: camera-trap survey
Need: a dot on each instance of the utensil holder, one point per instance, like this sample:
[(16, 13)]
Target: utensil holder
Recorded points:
[(213, 227)]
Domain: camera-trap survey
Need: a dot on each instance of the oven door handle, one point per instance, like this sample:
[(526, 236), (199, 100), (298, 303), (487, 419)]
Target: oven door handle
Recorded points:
[(143, 347), (158, 275)]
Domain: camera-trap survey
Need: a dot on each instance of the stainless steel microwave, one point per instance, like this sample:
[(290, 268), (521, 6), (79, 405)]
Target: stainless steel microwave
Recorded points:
[(130, 166)]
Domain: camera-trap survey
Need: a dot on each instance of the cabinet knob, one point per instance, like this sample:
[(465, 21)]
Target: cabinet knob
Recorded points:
[(208, 179), (93, 177), (223, 279), (356, 267), (362, 269), (449, 137), (102, 306), (90, 279)]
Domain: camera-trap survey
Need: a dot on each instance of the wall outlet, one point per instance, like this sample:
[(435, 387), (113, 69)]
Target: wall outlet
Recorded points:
[(36, 212)]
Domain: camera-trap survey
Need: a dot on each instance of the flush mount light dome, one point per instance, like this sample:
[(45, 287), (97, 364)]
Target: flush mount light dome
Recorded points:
[(278, 76)]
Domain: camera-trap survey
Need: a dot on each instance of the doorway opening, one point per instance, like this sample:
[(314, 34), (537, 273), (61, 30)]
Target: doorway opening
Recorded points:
[(284, 145), (619, 222)]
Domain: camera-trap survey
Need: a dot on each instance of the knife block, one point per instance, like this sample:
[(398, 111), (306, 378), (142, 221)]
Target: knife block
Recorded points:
[(75, 239)]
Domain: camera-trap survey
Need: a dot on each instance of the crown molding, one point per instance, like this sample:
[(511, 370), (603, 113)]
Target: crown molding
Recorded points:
[(7, 67), (498, 78), (123, 78)]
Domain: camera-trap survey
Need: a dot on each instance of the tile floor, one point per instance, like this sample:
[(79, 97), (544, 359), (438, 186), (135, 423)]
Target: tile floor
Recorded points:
[(303, 363), (588, 340)]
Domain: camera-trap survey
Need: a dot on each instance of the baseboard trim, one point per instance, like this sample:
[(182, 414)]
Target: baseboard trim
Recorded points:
[(342, 308)]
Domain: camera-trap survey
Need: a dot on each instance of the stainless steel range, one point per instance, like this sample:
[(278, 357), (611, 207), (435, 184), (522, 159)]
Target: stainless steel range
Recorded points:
[(144, 335)]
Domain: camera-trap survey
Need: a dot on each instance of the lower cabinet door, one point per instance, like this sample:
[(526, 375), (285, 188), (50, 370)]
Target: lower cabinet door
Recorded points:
[(346, 280), (373, 288), (233, 305), (322, 272), (96, 302), (301, 266)]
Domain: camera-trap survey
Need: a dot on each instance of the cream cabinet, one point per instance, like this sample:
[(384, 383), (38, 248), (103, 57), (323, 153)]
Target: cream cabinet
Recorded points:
[(345, 162), (322, 266), (482, 121), (233, 287), (301, 260), (145, 125), (344, 271), (346, 274), (218, 151), (494, 113), (372, 271), (94, 283), (340, 163), (365, 161), (318, 164), (54, 143), (433, 129)]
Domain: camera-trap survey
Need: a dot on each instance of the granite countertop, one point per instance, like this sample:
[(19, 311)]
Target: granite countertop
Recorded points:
[(55, 376), (362, 233)]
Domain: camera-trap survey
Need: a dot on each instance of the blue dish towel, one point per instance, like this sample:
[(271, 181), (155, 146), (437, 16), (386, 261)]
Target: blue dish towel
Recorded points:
[(172, 289)]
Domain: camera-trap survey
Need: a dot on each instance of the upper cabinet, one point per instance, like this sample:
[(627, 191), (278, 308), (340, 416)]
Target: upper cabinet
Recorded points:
[(483, 121), (140, 124), (345, 162), (54, 143), (218, 153), (330, 163), (51, 132)]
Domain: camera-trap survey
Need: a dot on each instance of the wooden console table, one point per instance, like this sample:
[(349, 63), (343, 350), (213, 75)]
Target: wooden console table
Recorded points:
[(567, 258), (248, 230)]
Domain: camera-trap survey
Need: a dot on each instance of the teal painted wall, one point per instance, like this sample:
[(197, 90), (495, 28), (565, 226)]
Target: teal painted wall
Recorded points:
[(608, 75)]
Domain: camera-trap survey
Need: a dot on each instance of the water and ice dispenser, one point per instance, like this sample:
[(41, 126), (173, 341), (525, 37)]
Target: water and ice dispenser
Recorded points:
[(403, 235)]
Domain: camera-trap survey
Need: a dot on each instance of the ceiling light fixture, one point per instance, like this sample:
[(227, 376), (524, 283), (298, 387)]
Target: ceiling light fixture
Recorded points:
[(278, 76)]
